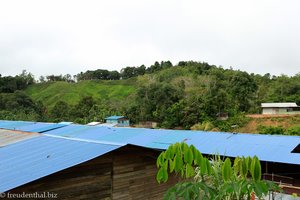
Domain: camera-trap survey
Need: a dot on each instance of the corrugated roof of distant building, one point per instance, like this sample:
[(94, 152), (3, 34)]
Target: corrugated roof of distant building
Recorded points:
[(114, 117), (278, 105)]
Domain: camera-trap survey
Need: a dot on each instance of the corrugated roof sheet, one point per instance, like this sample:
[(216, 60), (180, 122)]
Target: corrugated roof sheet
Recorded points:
[(273, 148), (278, 105), (108, 124), (37, 157), (9, 137), (38, 127), (93, 123), (115, 117), (12, 125)]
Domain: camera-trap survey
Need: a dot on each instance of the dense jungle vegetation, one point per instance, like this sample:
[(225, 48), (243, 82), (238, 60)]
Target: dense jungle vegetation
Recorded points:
[(188, 94)]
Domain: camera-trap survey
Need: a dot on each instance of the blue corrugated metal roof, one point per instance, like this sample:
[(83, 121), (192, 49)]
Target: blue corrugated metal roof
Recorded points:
[(273, 148), (114, 117), (228, 144), (34, 158), (37, 157)]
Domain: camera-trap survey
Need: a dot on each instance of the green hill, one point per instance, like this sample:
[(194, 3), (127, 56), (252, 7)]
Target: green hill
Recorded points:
[(51, 92), (181, 96)]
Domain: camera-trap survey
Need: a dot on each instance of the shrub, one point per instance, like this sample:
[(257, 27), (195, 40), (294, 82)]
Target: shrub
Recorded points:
[(204, 126), (238, 120), (272, 130), (295, 130)]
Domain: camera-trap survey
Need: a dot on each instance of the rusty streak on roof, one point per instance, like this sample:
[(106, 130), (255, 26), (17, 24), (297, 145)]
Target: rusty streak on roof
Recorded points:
[(8, 137)]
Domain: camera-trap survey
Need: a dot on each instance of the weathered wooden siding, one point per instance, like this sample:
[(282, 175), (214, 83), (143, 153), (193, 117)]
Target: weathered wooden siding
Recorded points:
[(134, 175)]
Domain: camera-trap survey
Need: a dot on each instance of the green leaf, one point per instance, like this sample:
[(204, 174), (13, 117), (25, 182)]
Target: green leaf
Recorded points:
[(159, 175), (167, 153), (237, 165), (208, 167), (249, 160), (188, 156), (178, 163), (177, 147), (244, 167), (160, 159), (260, 189), (189, 171), (162, 175), (226, 170), (172, 165), (255, 169), (198, 159), (195, 151), (172, 151), (203, 166), (165, 165), (184, 147)]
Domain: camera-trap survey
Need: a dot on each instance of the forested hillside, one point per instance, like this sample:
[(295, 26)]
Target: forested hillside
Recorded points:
[(189, 94)]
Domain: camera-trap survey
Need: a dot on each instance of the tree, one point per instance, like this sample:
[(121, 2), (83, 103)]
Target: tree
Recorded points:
[(154, 100), (114, 75), (127, 72), (243, 88), (60, 111), (82, 109)]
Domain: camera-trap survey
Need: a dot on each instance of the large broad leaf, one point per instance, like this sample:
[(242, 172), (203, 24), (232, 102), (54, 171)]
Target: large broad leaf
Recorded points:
[(237, 165), (203, 166), (226, 170), (194, 150), (172, 165), (198, 159), (255, 169), (178, 163), (184, 147), (162, 175), (249, 160), (160, 159), (188, 156), (189, 171), (260, 189), (168, 153), (208, 167), (244, 167)]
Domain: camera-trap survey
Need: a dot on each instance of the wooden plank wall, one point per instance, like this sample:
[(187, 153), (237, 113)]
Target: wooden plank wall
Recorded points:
[(134, 175)]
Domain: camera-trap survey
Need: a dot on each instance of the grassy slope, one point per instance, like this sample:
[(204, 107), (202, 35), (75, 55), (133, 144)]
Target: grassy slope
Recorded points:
[(284, 121), (50, 93)]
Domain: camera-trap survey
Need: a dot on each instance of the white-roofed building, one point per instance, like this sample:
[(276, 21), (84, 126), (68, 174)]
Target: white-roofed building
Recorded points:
[(280, 108)]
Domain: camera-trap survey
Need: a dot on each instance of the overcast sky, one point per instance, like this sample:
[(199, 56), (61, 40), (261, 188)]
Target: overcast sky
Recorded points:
[(60, 37)]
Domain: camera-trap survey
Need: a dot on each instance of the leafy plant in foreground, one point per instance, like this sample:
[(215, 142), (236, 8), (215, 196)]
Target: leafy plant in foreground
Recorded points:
[(212, 179)]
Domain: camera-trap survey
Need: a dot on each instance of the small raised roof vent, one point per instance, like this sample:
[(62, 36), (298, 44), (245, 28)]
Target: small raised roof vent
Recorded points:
[(296, 149)]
